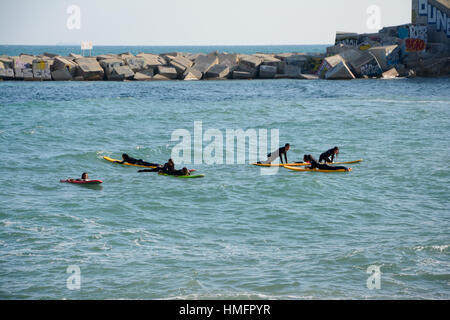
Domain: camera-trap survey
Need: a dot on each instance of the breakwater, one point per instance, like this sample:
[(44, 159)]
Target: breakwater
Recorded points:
[(399, 51)]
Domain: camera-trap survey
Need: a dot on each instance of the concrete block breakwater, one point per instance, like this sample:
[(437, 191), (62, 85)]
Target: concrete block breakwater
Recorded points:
[(401, 51)]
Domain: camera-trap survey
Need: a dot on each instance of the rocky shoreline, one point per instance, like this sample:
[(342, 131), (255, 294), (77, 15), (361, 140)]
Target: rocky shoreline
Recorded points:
[(381, 55)]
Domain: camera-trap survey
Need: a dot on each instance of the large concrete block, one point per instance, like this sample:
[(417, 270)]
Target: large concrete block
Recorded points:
[(229, 59), (266, 72), (192, 74), (75, 56), (152, 60), (390, 74), (203, 63), (385, 55), (297, 60), (242, 75), (367, 65), (328, 63), (136, 63), (120, 73), (218, 71), (90, 69), (340, 72), (61, 75), (62, 63), (249, 63), (5, 72), (293, 71), (41, 70), (180, 63), (168, 72), (141, 76)]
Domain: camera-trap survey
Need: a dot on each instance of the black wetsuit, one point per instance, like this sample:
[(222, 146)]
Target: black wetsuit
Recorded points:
[(177, 173), (138, 162), (281, 151), (326, 156), (315, 164)]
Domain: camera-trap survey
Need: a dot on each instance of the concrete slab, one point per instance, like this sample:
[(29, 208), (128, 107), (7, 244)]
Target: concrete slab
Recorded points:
[(218, 71), (267, 72), (168, 72), (90, 69), (61, 75), (339, 72), (203, 63), (242, 75), (192, 74), (390, 74)]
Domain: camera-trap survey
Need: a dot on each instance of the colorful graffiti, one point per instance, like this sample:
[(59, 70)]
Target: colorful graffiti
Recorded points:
[(418, 32), (435, 17), (393, 58), (371, 70), (414, 45)]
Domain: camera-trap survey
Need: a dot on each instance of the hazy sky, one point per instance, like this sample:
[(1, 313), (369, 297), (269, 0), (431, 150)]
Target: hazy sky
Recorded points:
[(194, 22)]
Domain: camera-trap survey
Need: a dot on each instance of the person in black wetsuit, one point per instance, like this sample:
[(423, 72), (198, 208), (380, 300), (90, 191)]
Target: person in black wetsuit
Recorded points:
[(126, 158), (322, 166), (168, 167), (182, 172), (278, 153), (328, 156)]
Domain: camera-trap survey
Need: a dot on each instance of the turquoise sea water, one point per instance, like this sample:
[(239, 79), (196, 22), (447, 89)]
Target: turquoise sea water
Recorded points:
[(235, 233), (14, 50)]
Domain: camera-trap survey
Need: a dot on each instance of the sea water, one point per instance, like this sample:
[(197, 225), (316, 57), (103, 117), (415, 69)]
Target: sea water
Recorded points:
[(235, 233)]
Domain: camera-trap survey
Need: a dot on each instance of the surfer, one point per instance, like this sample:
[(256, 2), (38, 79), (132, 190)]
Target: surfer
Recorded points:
[(182, 172), (278, 153), (314, 164), (328, 156), (84, 176), (168, 167), (126, 158)]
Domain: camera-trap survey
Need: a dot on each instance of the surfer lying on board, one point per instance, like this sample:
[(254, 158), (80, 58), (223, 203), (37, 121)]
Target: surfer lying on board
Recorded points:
[(168, 167), (182, 172), (278, 153), (126, 158), (328, 156), (314, 164)]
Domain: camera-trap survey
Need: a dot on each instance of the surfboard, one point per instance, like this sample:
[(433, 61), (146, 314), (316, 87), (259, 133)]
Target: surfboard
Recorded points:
[(300, 164), (314, 170), (126, 163), (184, 177), (76, 181)]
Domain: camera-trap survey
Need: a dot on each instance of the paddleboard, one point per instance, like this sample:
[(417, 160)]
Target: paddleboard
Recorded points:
[(126, 163), (314, 170), (134, 165), (77, 181), (300, 164)]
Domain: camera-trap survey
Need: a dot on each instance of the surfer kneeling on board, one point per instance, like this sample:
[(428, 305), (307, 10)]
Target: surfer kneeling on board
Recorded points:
[(328, 156), (278, 153), (126, 158), (314, 164)]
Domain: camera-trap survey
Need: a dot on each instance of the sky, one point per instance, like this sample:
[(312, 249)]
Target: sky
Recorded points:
[(192, 22)]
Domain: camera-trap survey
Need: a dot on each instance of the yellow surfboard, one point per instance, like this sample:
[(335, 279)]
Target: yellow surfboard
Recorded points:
[(126, 164), (300, 164), (315, 170)]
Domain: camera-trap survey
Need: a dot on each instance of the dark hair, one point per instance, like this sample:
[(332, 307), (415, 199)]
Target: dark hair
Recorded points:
[(84, 175), (287, 145), (306, 157), (185, 171), (124, 155), (336, 148)]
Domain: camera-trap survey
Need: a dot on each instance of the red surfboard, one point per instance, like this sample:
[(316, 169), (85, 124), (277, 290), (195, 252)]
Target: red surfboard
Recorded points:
[(79, 181)]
